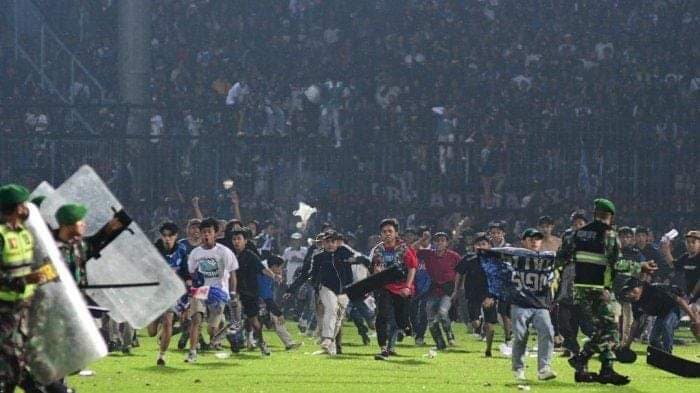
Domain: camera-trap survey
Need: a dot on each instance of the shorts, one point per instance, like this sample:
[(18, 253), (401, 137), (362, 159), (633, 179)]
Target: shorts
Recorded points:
[(181, 306), (272, 307), (213, 313), (475, 309), (504, 308), (250, 306)]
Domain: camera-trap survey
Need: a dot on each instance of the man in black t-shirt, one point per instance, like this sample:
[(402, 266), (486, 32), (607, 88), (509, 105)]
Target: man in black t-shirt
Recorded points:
[(477, 293), (249, 266), (687, 267), (497, 238), (665, 302), (644, 239)]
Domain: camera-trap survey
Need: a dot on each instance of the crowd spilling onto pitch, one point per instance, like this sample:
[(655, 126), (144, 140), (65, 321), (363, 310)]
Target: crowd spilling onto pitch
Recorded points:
[(442, 104), (290, 276)]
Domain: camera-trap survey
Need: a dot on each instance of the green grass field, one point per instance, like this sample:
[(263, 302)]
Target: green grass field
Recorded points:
[(461, 369)]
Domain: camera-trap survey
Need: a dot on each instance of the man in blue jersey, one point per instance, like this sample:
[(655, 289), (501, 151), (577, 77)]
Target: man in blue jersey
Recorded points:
[(186, 246), (531, 298), (175, 256)]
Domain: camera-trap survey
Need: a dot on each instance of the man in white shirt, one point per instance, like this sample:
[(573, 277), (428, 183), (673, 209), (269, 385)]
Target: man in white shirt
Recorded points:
[(211, 266), (293, 256), (237, 93), (234, 100)]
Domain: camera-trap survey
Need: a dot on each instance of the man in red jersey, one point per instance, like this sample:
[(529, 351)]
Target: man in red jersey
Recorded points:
[(393, 300), (440, 264)]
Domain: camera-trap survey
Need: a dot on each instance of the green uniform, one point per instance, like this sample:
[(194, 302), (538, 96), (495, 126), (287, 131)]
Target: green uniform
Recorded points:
[(76, 255), (595, 252), (16, 255)]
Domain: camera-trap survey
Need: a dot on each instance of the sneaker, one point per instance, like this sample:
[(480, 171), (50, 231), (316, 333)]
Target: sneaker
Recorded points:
[(126, 350), (160, 362), (519, 374), (292, 346), (506, 350), (216, 346), (451, 343), (264, 350), (383, 355), (326, 345), (191, 357), (420, 342), (546, 374)]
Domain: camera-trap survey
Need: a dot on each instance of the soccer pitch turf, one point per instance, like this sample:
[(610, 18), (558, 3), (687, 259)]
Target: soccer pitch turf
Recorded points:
[(462, 368)]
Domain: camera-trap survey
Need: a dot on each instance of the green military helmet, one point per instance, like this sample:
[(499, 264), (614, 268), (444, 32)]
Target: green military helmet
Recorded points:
[(38, 200), (604, 205), (70, 213), (13, 194)]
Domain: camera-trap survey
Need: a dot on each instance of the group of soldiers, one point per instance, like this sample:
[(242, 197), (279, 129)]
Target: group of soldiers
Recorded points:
[(20, 276)]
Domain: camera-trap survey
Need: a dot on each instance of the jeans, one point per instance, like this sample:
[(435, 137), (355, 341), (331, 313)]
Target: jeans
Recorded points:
[(390, 307), (419, 317), (662, 332), (438, 310), (308, 310), (539, 317)]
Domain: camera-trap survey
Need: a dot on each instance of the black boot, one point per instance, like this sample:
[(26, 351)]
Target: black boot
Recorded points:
[(436, 332), (608, 375), (580, 363)]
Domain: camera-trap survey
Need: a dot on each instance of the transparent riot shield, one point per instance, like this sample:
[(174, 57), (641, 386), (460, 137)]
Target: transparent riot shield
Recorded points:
[(128, 258), (43, 189), (63, 337)]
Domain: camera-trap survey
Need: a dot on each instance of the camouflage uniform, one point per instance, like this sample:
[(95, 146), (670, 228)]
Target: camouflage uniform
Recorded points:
[(75, 254), (16, 255), (596, 303), (12, 338)]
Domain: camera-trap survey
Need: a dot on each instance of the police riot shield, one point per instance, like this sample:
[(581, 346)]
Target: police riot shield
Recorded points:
[(125, 257), (63, 337), (44, 189)]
